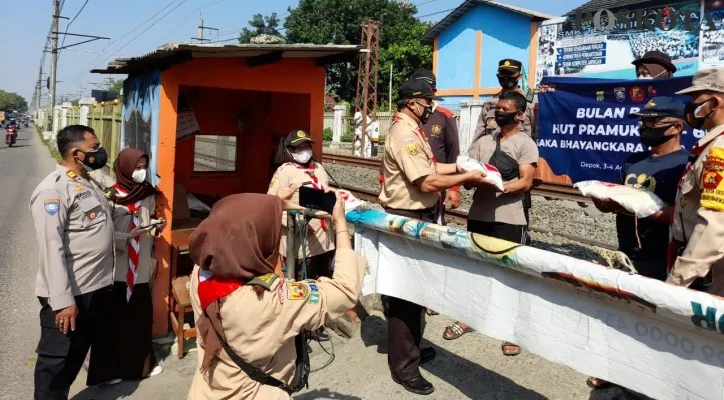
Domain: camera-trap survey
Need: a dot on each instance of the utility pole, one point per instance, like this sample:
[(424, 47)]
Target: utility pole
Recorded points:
[(389, 101), (200, 29), (369, 65), (53, 58)]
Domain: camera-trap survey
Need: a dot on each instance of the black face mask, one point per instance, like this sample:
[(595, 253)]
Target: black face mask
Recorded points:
[(426, 113), (507, 82), (503, 118), (95, 159), (655, 136), (692, 119)]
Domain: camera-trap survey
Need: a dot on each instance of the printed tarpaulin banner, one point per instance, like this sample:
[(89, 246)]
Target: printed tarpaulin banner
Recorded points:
[(585, 129), (656, 339)]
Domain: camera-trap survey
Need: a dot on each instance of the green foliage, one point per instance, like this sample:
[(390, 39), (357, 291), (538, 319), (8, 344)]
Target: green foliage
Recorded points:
[(12, 102), (260, 25), (340, 22), (347, 137), (116, 85), (327, 134)]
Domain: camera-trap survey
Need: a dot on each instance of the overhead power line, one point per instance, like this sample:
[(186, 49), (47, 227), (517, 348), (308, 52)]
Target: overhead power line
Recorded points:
[(71, 23), (435, 13)]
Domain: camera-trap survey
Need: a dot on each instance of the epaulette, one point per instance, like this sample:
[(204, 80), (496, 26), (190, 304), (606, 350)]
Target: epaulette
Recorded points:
[(264, 281), (445, 111), (109, 194)]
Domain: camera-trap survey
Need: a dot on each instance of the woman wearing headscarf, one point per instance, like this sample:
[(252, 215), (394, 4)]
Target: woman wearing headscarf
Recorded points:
[(654, 65), (245, 314), (126, 352), (300, 169)]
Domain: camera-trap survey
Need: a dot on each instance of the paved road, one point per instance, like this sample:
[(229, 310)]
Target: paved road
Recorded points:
[(22, 167), (471, 367)]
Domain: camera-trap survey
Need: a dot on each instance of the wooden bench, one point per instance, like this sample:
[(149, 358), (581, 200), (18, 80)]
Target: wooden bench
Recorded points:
[(181, 305)]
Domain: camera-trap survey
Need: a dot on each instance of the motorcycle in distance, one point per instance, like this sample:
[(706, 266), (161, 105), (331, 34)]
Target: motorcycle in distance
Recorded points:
[(11, 136)]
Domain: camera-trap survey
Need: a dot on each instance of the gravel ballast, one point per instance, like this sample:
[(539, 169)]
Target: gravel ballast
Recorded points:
[(559, 216)]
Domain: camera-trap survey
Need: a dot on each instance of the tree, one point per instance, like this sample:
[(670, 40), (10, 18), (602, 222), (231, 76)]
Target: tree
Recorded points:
[(116, 85), (12, 102), (340, 22), (261, 25)]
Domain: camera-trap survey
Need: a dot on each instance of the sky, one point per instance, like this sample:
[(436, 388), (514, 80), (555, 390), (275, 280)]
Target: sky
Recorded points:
[(27, 24)]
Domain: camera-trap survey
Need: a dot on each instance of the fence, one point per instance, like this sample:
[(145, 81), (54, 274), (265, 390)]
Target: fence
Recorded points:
[(383, 118)]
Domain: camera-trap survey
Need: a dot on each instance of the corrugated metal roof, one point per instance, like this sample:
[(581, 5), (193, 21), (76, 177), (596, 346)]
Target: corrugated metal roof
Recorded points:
[(470, 4), (256, 54), (595, 5)]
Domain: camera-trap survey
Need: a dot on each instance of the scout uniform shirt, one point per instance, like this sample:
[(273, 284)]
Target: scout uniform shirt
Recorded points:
[(75, 237), (319, 240), (486, 123), (699, 215), (122, 223), (407, 158), (261, 329)]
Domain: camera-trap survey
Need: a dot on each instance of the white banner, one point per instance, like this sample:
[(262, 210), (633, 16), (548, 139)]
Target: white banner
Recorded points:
[(659, 340)]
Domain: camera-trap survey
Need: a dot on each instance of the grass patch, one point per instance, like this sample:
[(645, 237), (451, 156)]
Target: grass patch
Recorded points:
[(54, 153)]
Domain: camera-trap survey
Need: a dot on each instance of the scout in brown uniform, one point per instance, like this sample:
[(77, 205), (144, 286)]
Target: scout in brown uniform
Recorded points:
[(301, 170), (413, 181), (246, 315), (698, 225), (495, 214)]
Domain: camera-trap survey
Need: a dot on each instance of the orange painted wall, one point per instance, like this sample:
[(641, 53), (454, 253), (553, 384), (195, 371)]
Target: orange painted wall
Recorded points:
[(304, 109)]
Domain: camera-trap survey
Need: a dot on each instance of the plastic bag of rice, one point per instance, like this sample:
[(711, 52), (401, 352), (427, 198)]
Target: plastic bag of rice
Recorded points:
[(492, 174), (639, 202)]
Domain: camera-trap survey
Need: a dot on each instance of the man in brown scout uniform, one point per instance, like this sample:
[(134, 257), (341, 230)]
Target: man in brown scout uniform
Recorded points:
[(698, 225), (413, 181)]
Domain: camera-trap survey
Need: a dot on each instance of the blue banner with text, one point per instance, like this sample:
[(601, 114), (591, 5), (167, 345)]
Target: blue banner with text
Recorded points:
[(585, 131)]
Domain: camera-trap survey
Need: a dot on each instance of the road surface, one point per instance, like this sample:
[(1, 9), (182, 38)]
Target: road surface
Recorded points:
[(470, 367)]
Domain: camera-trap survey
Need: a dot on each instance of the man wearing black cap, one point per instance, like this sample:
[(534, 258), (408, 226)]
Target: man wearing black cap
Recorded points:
[(413, 182), (645, 241), (509, 74), (441, 131), (654, 65)]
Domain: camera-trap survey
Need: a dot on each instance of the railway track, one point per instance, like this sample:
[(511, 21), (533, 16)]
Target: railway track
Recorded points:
[(460, 218), (547, 190)]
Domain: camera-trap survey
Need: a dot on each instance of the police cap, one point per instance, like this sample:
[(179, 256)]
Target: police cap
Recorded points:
[(662, 106), (509, 67), (417, 89)]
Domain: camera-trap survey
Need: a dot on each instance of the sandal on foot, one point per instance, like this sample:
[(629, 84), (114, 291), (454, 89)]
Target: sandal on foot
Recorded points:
[(454, 331), (598, 384), (510, 353)]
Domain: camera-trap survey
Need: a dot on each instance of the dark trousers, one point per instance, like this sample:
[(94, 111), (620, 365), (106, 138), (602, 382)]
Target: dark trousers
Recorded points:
[(61, 356), (500, 230), (404, 322)]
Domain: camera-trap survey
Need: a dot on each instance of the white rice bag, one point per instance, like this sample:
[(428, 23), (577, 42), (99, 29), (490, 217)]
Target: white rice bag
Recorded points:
[(639, 202), (492, 174), (350, 202)]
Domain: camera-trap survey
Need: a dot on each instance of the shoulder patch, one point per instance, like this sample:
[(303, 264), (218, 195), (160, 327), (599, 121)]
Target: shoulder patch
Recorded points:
[(436, 130), (297, 291), (712, 177), (445, 111), (411, 148), (72, 175), (264, 281), (52, 206)]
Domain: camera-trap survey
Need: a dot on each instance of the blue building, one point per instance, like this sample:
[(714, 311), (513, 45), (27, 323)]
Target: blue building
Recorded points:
[(470, 41)]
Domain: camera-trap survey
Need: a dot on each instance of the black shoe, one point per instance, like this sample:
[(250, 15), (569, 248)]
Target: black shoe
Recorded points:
[(417, 385), (427, 355), (321, 335)]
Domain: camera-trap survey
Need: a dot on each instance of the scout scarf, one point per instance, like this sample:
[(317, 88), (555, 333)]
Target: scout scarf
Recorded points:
[(234, 244), (134, 245)]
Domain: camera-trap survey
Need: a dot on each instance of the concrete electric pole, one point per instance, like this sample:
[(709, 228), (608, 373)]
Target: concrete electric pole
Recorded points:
[(200, 30), (53, 60)]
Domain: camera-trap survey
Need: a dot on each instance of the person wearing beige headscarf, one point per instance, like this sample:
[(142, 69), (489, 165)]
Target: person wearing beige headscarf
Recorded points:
[(238, 300)]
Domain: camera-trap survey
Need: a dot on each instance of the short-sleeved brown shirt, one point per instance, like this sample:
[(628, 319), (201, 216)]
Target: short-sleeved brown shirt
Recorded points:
[(488, 204), (407, 158)]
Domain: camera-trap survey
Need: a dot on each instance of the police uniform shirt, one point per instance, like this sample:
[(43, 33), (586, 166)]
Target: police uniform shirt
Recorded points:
[(287, 175), (442, 135), (490, 205), (261, 329), (699, 215), (75, 237), (486, 123), (407, 158)]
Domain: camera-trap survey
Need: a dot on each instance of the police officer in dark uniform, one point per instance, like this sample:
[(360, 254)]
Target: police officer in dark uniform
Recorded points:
[(75, 239), (442, 134)]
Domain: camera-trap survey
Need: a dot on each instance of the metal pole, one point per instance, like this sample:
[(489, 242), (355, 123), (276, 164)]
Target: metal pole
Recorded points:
[(390, 98), (290, 264), (54, 57), (200, 31)]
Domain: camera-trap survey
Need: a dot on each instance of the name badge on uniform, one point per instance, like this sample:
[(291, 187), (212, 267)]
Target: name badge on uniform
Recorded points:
[(52, 206)]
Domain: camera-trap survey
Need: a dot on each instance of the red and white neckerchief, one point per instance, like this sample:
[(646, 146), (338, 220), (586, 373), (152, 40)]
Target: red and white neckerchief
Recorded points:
[(315, 184), (212, 288), (134, 246)]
